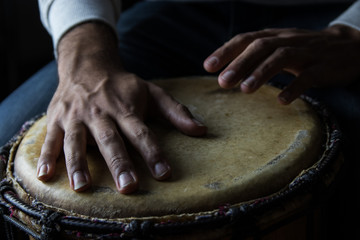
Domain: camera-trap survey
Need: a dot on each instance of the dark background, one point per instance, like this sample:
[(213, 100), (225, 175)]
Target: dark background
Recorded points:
[(25, 45)]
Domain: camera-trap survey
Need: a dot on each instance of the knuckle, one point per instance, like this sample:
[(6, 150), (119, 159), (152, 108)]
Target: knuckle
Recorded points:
[(95, 112), (71, 159), (141, 132), (289, 32), (52, 122), (73, 112), (244, 37), (71, 135), (248, 38), (237, 38), (260, 43), (269, 30), (226, 49), (283, 52), (118, 162), (106, 136), (124, 111)]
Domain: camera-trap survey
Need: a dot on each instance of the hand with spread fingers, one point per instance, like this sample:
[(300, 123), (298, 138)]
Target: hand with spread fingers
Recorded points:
[(96, 97), (326, 58)]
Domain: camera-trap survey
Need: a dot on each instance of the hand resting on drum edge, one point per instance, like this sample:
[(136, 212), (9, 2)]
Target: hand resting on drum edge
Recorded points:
[(97, 98), (327, 58)]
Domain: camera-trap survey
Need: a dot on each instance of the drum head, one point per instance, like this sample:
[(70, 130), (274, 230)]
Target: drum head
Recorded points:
[(253, 148)]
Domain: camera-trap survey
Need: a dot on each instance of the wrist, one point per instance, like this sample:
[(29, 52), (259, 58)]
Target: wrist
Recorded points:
[(344, 31), (89, 45)]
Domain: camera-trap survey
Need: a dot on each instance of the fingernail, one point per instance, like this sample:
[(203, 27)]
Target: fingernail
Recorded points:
[(161, 169), (125, 179), (249, 82), (43, 170), (79, 180), (197, 122), (228, 76), (212, 62)]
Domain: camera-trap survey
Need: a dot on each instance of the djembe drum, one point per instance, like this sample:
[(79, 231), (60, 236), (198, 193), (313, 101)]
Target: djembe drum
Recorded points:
[(253, 171)]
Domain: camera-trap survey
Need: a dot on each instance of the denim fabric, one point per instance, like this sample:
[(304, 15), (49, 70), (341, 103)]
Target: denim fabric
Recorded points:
[(158, 40), (168, 39), (29, 100)]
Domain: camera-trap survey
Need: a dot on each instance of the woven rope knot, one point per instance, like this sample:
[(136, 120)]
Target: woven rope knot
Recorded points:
[(50, 225), (134, 227), (5, 186), (146, 227), (5, 150)]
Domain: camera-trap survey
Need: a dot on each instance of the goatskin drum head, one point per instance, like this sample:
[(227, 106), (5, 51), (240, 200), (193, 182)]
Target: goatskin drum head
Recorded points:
[(254, 147)]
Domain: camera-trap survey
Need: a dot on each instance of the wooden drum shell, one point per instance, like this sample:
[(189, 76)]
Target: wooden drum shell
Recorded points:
[(266, 201)]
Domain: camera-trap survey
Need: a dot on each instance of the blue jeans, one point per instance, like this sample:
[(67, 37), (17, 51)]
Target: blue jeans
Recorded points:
[(167, 39), (27, 101), (159, 40)]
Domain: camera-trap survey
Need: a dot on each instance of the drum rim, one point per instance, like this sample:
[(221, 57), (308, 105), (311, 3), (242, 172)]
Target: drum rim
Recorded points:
[(305, 181)]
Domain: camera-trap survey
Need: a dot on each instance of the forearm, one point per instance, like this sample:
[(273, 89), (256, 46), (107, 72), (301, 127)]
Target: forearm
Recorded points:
[(88, 46), (344, 31), (351, 17), (60, 16)]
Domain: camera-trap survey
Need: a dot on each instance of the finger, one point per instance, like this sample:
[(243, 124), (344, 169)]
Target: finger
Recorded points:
[(248, 60), (284, 58), (143, 139), (114, 152), (231, 49), (75, 156), (297, 87), (176, 113), (50, 151)]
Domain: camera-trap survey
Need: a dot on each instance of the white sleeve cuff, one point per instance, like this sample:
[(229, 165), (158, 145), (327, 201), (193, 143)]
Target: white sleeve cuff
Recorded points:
[(59, 16), (351, 17)]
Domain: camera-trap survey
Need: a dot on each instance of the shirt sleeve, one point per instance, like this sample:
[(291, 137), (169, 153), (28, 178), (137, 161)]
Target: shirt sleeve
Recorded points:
[(59, 16), (351, 17)]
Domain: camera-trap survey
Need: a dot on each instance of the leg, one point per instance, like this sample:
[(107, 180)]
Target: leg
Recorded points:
[(168, 39), (34, 95), (29, 100), (166, 42)]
